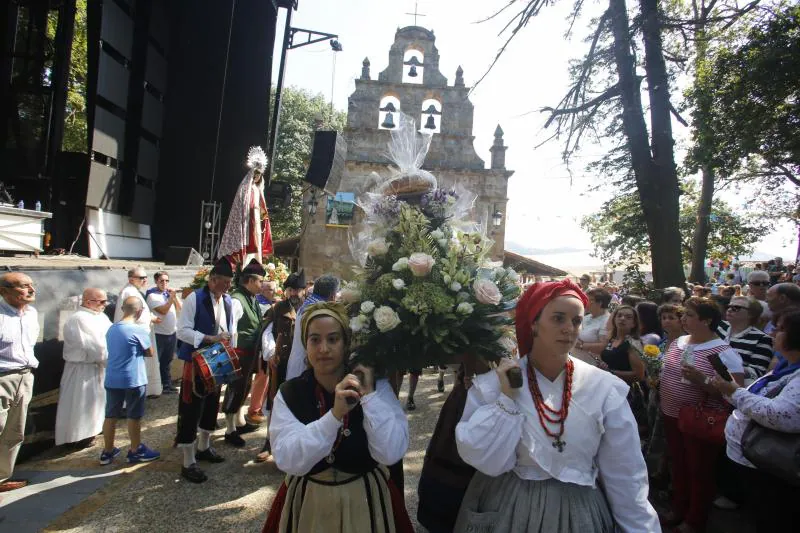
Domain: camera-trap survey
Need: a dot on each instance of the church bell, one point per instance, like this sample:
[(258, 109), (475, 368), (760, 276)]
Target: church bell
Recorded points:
[(431, 123), (388, 122), (412, 72)]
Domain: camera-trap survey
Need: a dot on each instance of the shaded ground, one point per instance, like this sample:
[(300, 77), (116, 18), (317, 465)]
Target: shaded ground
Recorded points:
[(71, 492)]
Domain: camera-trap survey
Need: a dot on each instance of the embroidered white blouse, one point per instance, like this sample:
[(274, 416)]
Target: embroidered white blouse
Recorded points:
[(297, 447), (781, 413), (600, 433)]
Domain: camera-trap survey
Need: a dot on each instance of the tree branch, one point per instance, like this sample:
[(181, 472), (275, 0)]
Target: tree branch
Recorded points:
[(608, 94), (677, 115)]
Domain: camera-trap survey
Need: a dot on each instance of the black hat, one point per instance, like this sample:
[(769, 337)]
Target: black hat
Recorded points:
[(296, 280), (255, 268), (222, 268)]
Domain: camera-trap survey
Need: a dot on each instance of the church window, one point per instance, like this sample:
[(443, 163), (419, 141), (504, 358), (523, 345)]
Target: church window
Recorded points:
[(431, 121), (387, 117), (413, 68)]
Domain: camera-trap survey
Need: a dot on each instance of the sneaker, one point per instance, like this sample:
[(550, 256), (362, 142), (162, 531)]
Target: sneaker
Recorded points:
[(724, 503), (143, 454), (107, 457), (410, 405)]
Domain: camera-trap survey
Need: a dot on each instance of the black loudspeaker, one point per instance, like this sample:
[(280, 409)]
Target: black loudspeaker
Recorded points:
[(183, 255), (327, 161)]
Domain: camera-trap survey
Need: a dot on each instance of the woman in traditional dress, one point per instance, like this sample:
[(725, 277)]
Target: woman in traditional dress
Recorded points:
[(561, 454), (334, 453)]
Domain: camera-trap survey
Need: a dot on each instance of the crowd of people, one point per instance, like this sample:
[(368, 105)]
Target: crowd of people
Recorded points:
[(697, 394)]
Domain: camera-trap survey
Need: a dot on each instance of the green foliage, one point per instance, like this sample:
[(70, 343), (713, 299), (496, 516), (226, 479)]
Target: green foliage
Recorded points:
[(753, 100), (619, 233), (301, 114)]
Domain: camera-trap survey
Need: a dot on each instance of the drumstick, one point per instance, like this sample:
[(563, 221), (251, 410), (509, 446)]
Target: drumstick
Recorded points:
[(361, 378)]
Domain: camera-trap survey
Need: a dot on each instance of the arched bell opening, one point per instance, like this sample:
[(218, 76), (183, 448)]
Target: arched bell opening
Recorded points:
[(431, 120), (413, 66), (388, 113)]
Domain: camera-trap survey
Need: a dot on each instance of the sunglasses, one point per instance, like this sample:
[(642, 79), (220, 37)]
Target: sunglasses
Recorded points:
[(736, 308), (139, 277)]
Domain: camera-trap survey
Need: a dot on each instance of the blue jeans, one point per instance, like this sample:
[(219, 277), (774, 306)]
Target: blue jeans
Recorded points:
[(165, 345)]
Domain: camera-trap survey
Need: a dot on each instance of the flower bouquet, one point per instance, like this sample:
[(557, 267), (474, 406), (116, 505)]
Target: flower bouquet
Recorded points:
[(653, 361), (428, 291), (200, 278), (277, 272)]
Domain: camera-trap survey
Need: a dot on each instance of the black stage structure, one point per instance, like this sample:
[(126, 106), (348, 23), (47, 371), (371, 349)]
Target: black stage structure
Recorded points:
[(176, 92)]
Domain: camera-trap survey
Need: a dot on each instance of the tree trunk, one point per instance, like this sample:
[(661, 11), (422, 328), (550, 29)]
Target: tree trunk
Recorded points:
[(656, 174), (703, 227)]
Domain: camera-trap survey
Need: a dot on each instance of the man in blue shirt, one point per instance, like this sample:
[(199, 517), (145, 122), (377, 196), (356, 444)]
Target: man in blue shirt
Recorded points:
[(126, 382)]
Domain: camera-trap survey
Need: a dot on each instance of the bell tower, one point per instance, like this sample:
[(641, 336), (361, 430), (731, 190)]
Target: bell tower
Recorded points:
[(413, 84)]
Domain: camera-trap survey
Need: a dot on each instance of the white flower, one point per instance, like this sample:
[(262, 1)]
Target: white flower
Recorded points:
[(367, 307), (398, 283), (437, 234), (401, 264), (447, 279), (270, 266), (508, 344), (420, 264), (350, 294), (443, 243), (377, 247), (386, 319), (455, 286), (462, 297), (357, 323), (512, 275), (464, 308), (486, 292)]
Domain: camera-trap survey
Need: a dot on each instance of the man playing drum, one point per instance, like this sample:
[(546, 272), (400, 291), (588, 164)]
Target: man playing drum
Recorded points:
[(206, 319)]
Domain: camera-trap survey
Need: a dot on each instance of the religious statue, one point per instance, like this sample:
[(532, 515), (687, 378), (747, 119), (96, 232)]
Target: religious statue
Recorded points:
[(334, 216), (247, 233)]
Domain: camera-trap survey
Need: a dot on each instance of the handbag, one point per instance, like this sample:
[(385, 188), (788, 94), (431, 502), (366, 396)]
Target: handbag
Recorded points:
[(775, 452), (704, 422)]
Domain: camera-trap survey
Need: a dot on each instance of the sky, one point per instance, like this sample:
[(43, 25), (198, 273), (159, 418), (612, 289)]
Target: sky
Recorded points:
[(546, 200)]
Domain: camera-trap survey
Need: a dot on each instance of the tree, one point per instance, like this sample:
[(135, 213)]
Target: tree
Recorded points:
[(619, 235), (607, 88), (301, 114)]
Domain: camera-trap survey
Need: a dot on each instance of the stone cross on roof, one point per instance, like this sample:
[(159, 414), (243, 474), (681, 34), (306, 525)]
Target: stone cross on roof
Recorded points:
[(416, 13)]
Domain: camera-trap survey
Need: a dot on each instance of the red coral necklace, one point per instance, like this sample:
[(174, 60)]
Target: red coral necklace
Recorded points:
[(548, 415)]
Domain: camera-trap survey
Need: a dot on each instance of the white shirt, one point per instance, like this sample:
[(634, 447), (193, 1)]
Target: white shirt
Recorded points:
[(297, 357), (169, 321), (18, 334), (781, 413), (85, 337), (186, 331), (297, 447), (593, 327), (145, 319), (600, 433)]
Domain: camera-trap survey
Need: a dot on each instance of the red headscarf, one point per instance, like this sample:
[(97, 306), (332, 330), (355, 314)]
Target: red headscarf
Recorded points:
[(532, 303)]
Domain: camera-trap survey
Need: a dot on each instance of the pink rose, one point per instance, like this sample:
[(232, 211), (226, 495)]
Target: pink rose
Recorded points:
[(420, 264), (486, 292)]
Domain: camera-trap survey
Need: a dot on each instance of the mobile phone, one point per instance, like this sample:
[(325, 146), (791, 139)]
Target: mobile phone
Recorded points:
[(719, 367)]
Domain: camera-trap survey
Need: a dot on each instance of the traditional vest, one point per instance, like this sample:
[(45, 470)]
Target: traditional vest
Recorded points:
[(248, 328), (352, 455), (204, 320)]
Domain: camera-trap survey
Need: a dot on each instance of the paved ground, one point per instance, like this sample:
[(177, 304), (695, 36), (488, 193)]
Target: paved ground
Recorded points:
[(71, 492)]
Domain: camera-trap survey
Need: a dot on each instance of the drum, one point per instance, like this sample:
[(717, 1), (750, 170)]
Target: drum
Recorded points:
[(216, 365)]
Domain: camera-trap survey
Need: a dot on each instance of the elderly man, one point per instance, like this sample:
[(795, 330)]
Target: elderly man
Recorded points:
[(126, 381), (82, 397), (325, 289), (19, 330), (206, 319), (758, 283), (267, 296), (163, 301), (780, 298), (137, 280), (248, 329)]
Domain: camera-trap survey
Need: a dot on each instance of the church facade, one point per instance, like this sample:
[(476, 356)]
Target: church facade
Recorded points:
[(411, 84)]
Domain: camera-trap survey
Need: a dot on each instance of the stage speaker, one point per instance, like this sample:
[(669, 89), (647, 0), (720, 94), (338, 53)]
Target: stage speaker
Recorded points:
[(327, 161), (183, 255)]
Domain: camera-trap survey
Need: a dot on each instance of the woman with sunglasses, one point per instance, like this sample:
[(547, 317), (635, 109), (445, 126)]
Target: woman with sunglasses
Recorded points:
[(740, 331)]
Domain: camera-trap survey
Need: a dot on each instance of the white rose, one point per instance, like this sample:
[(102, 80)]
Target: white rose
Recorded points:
[(455, 286), (377, 247), (356, 324), (401, 264), (270, 266), (386, 319), (486, 292), (444, 243), (398, 283), (464, 308), (437, 234), (420, 264), (350, 294), (367, 307)]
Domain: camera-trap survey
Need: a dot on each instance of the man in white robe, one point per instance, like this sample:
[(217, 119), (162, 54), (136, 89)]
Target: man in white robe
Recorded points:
[(82, 396), (137, 280)]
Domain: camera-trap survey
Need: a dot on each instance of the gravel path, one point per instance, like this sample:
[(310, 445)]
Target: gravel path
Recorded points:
[(154, 498)]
